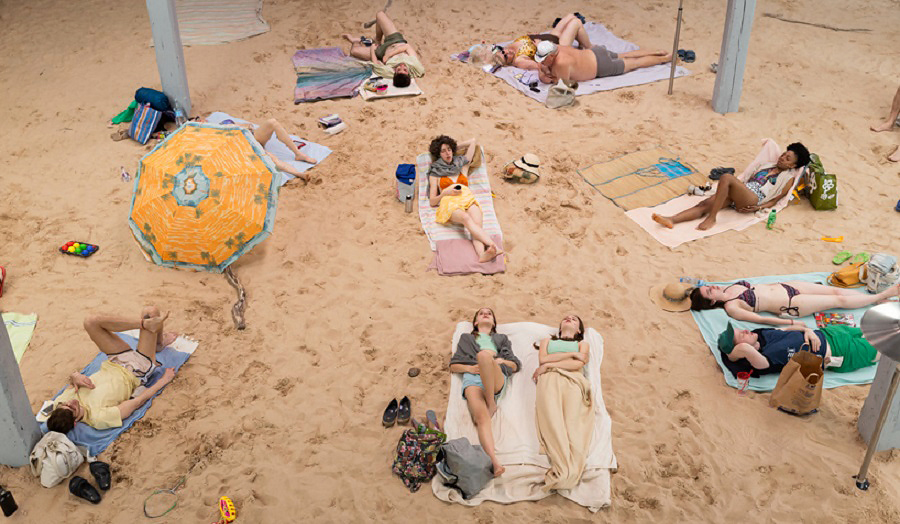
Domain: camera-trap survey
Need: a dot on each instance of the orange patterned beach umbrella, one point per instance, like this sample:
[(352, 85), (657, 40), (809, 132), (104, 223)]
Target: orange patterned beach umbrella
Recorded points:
[(203, 197)]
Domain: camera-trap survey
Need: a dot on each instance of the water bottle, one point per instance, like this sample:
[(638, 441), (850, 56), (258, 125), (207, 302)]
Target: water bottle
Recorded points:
[(693, 281), (180, 119), (408, 203), (771, 220), (7, 503)]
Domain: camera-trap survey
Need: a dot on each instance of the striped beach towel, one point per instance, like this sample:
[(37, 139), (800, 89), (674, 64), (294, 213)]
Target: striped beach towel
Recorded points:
[(210, 22), (481, 188)]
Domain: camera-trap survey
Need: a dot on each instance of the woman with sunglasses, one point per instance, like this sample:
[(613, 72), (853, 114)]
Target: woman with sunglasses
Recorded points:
[(789, 300), (520, 52), (564, 406), (486, 361)]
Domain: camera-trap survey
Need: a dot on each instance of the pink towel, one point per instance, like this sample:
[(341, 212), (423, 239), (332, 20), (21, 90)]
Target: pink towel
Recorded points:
[(727, 219), (457, 257)]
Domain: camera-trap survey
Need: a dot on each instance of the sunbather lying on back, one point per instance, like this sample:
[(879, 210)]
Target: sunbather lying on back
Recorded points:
[(390, 53), (767, 184), (559, 62), (520, 52), (103, 399)]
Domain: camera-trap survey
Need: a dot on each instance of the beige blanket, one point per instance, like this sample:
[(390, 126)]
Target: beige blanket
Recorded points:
[(565, 423), (515, 434)]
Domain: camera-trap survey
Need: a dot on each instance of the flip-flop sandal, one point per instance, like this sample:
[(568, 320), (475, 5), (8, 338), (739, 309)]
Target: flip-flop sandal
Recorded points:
[(81, 488), (841, 257), (580, 17), (432, 420), (689, 56), (2, 278), (681, 53), (556, 22), (100, 471), (862, 256), (717, 172)]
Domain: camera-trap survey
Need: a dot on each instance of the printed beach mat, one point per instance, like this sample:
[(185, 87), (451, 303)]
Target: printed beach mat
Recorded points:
[(642, 179)]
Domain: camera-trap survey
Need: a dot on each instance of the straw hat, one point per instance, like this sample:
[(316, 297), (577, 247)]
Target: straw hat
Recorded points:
[(529, 162), (672, 297)]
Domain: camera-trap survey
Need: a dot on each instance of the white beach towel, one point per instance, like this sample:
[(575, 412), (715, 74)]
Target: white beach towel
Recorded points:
[(210, 22), (727, 219), (279, 150), (411, 90), (515, 431), (481, 188), (599, 35)]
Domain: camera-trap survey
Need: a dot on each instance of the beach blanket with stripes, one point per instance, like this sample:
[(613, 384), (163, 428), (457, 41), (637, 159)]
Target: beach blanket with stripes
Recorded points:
[(481, 188), (211, 22), (327, 73)]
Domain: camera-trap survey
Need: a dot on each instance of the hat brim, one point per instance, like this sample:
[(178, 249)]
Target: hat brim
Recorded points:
[(656, 295), (540, 59), (525, 167)]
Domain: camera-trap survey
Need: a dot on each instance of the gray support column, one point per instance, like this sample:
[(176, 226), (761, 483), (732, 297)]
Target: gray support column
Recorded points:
[(733, 56), (19, 431), (169, 53), (878, 391)]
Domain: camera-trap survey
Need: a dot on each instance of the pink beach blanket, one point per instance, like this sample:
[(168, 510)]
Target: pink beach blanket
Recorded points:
[(727, 219), (453, 251)]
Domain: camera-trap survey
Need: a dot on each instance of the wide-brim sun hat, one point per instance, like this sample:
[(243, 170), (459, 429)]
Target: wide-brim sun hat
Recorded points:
[(675, 296), (529, 162)]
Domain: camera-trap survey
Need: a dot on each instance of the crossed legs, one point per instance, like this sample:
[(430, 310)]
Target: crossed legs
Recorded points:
[(644, 58), (471, 219), (730, 190), (102, 330), (569, 30), (482, 405)]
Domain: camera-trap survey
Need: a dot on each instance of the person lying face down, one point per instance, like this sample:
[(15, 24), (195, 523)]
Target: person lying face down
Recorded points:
[(580, 65), (103, 399), (391, 55), (765, 351), (762, 190)]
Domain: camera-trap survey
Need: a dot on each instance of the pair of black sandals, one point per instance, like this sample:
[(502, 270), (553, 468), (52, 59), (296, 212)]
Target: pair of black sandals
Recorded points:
[(717, 172), (687, 56), (81, 488), (398, 412)]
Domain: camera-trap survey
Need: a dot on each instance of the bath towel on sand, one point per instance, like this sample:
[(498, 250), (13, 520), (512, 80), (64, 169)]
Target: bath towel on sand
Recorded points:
[(209, 22), (642, 178), (727, 219), (411, 90), (327, 73), (275, 148), (599, 35), (97, 440), (515, 435), (20, 328), (453, 252), (713, 321)]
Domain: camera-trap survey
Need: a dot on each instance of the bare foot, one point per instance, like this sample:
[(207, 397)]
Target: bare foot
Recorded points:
[(498, 468), (165, 340), (300, 157), (706, 224), (663, 221), (895, 156), (490, 254), (882, 126)]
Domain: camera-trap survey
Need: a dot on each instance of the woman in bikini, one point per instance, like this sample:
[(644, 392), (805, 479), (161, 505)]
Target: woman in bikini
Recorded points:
[(485, 360), (788, 300), (520, 52), (449, 192)]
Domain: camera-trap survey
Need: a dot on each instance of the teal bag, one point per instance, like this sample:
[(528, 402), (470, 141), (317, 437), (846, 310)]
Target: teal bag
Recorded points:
[(822, 186)]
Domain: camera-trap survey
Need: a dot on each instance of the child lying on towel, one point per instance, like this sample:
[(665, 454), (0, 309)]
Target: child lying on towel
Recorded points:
[(103, 399), (761, 186)]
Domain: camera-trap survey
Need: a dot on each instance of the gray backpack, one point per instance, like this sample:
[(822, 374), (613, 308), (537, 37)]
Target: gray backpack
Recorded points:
[(881, 272), (465, 467)]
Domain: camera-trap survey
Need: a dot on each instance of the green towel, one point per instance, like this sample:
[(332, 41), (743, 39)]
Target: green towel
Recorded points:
[(20, 328), (125, 116)]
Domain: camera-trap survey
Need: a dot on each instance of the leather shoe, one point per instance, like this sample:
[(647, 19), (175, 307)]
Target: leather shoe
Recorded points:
[(80, 487), (404, 411), (100, 471), (390, 414)]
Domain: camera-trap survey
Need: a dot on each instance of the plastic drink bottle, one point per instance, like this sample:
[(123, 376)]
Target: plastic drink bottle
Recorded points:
[(696, 282), (771, 220)]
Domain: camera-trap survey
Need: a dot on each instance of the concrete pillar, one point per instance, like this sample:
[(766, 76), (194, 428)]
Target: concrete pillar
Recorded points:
[(169, 53), (733, 56), (890, 432), (19, 430)]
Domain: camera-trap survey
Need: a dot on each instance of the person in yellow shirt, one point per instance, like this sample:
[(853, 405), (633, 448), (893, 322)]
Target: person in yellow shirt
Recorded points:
[(103, 399)]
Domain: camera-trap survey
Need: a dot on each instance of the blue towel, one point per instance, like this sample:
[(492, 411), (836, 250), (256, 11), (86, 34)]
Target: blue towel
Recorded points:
[(713, 321), (97, 440)]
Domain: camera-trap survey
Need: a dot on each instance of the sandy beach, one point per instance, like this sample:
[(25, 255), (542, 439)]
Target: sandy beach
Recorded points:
[(284, 417)]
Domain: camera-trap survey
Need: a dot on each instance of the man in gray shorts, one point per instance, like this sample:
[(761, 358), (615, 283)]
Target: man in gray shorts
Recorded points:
[(580, 65), (390, 54)]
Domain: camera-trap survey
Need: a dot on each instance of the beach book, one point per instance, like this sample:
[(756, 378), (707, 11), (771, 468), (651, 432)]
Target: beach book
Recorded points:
[(832, 319)]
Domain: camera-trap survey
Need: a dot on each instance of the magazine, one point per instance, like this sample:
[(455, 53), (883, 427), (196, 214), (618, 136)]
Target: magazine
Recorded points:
[(831, 319)]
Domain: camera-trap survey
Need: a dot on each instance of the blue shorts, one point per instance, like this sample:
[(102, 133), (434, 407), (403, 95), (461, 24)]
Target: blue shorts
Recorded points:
[(474, 379)]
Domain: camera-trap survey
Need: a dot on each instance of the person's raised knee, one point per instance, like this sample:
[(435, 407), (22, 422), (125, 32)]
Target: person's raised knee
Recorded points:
[(272, 122), (486, 353), (481, 419), (150, 312), (91, 322)]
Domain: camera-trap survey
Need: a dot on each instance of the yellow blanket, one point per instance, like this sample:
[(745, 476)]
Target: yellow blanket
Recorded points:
[(564, 415)]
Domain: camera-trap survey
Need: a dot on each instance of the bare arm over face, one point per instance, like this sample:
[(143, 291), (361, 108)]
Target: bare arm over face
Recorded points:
[(756, 359)]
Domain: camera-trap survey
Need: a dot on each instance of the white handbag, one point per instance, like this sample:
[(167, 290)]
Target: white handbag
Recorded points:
[(55, 458), (561, 95)]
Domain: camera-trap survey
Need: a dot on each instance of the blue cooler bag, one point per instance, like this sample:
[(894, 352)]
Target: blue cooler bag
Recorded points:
[(406, 176)]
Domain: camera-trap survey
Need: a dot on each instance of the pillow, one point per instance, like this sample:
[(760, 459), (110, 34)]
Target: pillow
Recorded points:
[(144, 123), (157, 99)]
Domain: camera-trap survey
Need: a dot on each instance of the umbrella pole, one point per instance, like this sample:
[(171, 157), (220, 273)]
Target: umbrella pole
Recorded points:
[(237, 310), (675, 46)]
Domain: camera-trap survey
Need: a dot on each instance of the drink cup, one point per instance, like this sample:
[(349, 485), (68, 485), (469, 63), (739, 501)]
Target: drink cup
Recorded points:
[(743, 382)]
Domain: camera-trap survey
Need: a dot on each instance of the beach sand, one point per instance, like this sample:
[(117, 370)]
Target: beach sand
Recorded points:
[(284, 417)]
